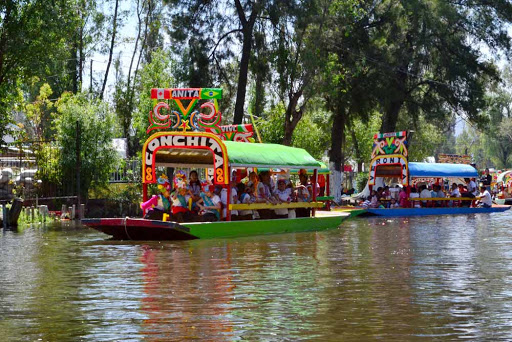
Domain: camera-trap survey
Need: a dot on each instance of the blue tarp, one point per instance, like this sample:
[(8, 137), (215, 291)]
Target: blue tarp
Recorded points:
[(444, 170)]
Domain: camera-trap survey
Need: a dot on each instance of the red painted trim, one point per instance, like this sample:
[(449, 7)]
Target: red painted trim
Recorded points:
[(315, 180), (228, 199)]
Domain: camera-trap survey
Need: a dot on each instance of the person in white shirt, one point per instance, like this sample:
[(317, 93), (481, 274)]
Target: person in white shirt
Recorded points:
[(282, 195), (425, 193), (234, 200), (245, 198), (485, 199), (454, 193), (414, 194), (472, 187)]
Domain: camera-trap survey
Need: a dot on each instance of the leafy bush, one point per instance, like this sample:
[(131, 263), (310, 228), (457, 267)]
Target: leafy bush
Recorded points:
[(361, 180)]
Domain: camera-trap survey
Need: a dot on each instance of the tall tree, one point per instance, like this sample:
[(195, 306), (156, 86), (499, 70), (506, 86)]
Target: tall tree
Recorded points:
[(430, 57), (111, 49), (348, 84), (31, 45), (297, 33), (220, 29)]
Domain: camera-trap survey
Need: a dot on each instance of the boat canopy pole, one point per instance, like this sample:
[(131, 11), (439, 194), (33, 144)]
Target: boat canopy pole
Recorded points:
[(315, 176), (228, 194)]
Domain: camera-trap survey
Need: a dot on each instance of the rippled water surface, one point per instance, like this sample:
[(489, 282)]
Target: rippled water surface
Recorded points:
[(416, 279)]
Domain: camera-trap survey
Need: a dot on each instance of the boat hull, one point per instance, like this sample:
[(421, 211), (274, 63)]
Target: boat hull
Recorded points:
[(139, 229), (433, 211), (142, 229)]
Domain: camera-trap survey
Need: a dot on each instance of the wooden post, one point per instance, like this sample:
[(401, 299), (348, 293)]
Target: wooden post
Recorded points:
[(228, 199), (32, 214), (4, 215), (78, 162), (73, 212), (315, 181), (81, 211), (144, 192)]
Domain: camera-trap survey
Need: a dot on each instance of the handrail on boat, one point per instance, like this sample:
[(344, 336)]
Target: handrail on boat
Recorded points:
[(442, 199), (291, 205)]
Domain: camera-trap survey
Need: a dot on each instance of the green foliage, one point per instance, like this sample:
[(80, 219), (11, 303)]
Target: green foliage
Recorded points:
[(39, 114), (157, 74), (359, 141), (361, 180), (96, 125), (309, 134)]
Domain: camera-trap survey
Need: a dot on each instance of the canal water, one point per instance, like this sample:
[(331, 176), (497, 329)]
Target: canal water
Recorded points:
[(403, 279)]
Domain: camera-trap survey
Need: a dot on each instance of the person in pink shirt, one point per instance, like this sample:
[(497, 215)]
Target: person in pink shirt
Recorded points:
[(402, 199)]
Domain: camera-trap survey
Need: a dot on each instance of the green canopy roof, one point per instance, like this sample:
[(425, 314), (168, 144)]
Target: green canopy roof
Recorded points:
[(323, 170), (269, 155)]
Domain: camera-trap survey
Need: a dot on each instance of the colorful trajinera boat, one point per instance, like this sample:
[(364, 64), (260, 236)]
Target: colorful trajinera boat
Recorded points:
[(504, 185), (222, 150), (390, 160)]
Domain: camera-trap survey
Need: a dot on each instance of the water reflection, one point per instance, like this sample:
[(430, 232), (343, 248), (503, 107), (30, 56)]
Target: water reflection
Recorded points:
[(391, 279)]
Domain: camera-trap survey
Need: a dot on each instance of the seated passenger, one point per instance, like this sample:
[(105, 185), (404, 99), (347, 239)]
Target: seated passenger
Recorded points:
[(424, 194), (234, 200), (244, 198), (485, 199), (386, 193), (210, 204), (393, 204), (160, 204), (264, 195), (454, 193), (181, 204), (466, 194), (439, 194), (414, 194), (402, 198), (282, 195), (194, 186), (304, 193)]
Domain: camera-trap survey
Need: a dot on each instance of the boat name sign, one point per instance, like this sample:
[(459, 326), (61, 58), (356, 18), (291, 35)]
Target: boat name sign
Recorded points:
[(183, 140), (389, 160)]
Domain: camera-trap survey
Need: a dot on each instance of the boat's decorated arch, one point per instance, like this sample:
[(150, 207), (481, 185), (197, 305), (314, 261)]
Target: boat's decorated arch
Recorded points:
[(186, 116), (177, 145), (389, 157)]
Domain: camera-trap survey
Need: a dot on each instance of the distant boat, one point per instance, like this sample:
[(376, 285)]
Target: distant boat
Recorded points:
[(390, 160)]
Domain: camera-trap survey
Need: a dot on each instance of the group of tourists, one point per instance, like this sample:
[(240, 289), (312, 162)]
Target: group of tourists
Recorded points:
[(200, 201), (431, 195)]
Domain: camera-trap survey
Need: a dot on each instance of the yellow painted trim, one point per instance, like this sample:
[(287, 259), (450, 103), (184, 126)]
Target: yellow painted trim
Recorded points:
[(442, 199), (292, 205), (390, 156)]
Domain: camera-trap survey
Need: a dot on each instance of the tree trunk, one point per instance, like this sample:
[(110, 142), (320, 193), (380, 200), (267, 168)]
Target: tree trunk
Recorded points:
[(81, 59), (247, 31), (336, 155), (111, 52), (243, 75), (292, 117), (357, 149), (259, 94), (390, 117), (74, 64)]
